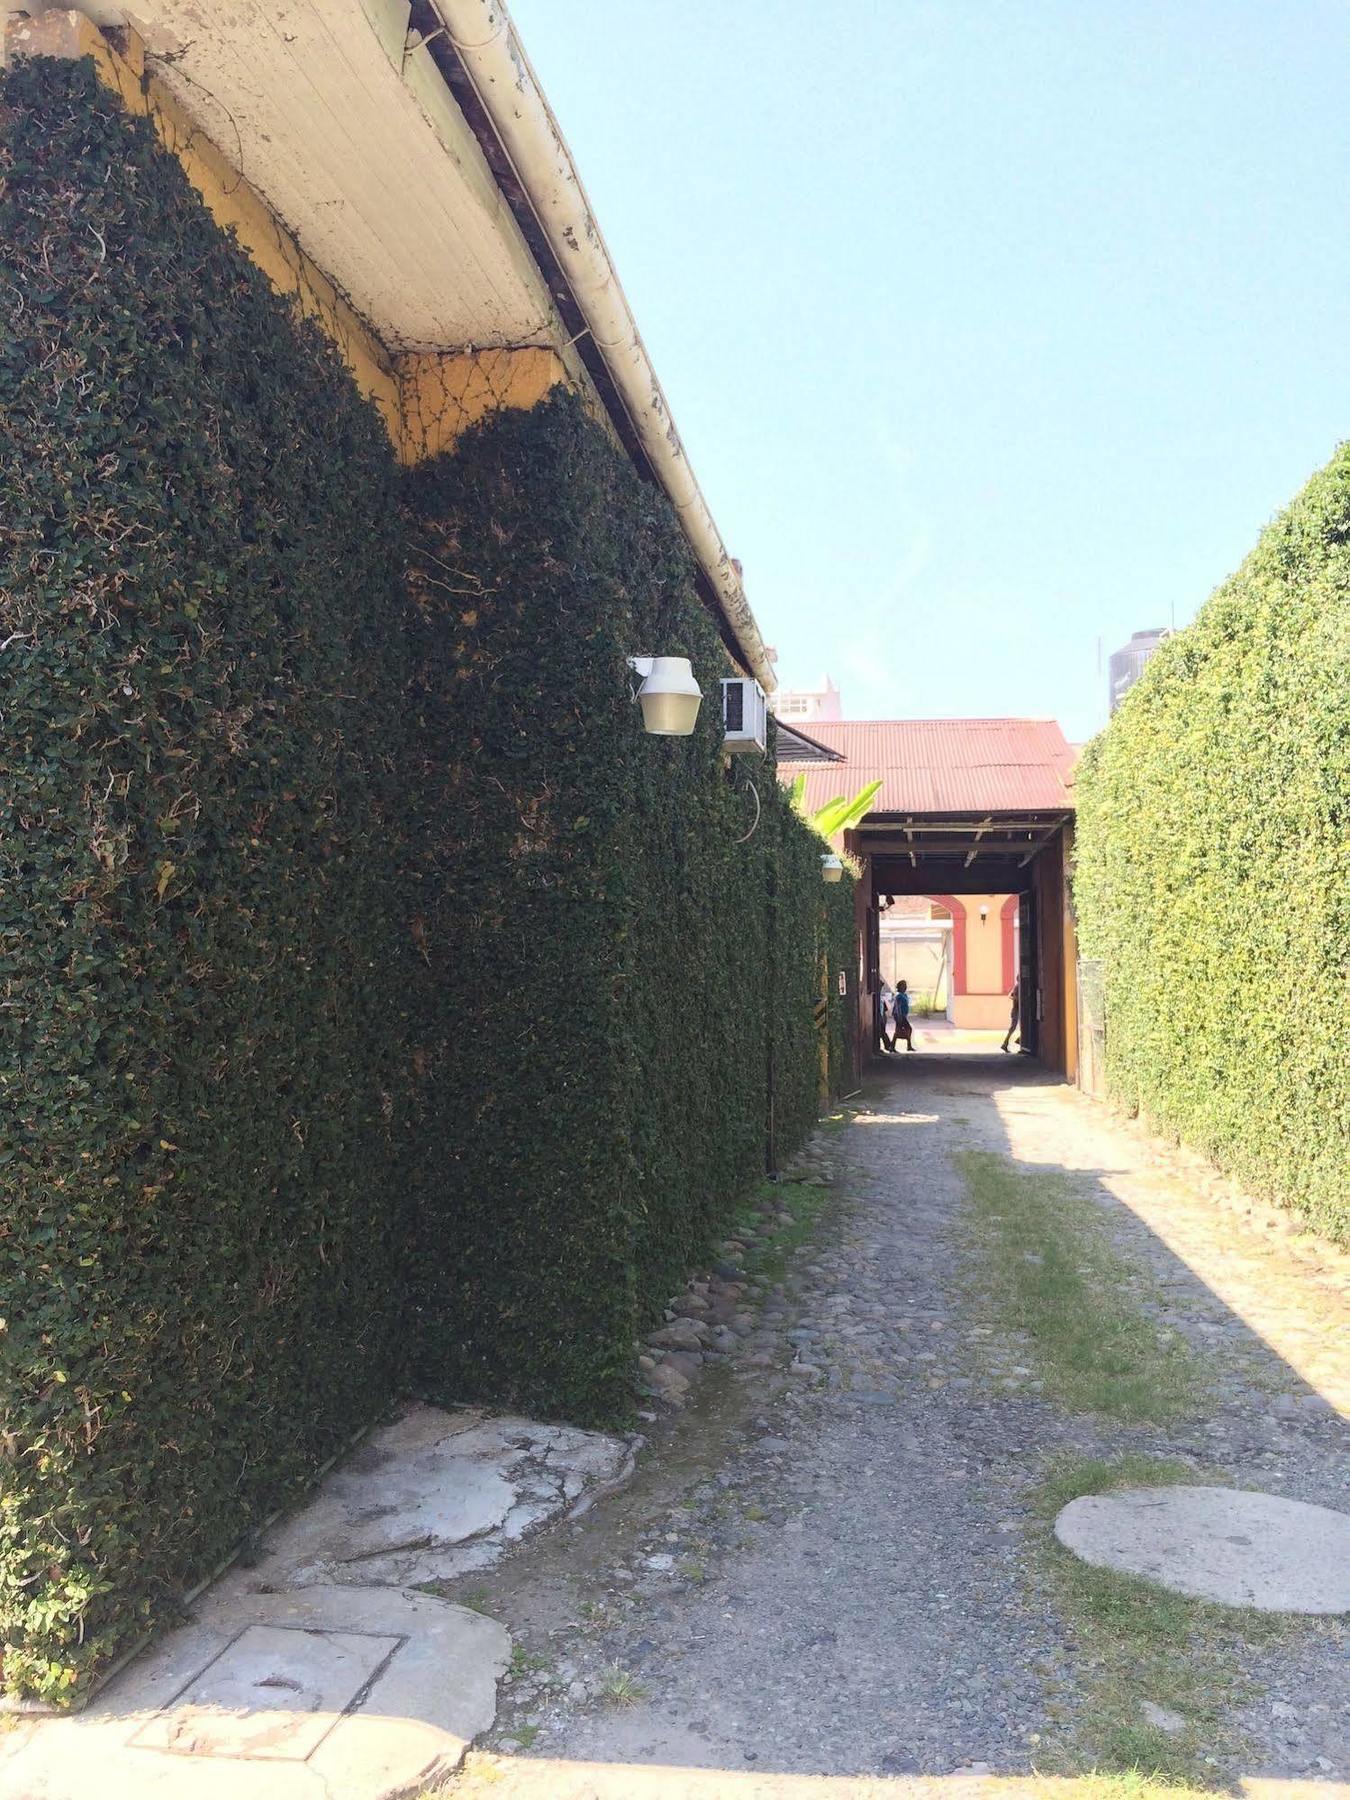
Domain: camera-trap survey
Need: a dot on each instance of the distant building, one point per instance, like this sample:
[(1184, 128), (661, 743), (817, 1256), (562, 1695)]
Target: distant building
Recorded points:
[(914, 944), (974, 819), (1127, 665), (807, 704)]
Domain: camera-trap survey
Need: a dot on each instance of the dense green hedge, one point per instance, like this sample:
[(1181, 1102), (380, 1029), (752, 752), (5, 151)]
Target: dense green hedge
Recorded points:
[(381, 1010), (202, 1045), (1213, 875), (610, 959)]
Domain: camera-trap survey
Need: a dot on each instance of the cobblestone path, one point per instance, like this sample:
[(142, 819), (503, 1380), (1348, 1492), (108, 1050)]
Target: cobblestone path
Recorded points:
[(828, 1578)]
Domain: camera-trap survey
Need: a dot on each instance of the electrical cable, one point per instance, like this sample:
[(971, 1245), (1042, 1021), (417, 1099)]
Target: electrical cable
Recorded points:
[(758, 809)]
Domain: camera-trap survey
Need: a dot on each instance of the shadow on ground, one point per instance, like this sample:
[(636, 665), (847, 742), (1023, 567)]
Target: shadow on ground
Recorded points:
[(840, 1565)]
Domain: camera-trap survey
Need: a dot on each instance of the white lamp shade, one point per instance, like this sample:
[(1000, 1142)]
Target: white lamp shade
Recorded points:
[(670, 697), (831, 868)]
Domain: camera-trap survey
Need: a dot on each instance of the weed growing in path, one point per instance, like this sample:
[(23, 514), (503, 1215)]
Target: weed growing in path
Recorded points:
[(526, 1662), (1052, 1274), (1146, 1647), (621, 1688)]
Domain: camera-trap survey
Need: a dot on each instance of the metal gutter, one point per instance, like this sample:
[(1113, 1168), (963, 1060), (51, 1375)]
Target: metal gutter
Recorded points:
[(513, 105)]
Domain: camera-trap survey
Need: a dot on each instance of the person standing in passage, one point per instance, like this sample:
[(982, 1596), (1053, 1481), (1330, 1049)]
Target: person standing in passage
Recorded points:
[(1016, 1000), (900, 1025)]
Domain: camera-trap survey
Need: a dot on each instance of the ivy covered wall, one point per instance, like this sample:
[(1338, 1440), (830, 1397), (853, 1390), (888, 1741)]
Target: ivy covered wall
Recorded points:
[(203, 1035), (1213, 876), (382, 1012), (619, 931)]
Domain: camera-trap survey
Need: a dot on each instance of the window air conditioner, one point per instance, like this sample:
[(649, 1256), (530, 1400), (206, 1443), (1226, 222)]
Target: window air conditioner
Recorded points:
[(744, 714)]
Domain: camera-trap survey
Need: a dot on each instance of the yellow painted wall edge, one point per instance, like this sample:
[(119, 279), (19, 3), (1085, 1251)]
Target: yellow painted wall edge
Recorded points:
[(426, 400)]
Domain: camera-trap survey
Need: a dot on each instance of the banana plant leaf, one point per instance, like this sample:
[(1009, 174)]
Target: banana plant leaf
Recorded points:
[(839, 814)]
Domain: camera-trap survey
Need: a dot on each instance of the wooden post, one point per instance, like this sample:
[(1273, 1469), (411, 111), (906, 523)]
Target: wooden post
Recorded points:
[(823, 1028)]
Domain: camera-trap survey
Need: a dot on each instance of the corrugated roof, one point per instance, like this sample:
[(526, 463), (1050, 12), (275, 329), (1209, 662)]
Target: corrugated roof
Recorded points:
[(944, 765)]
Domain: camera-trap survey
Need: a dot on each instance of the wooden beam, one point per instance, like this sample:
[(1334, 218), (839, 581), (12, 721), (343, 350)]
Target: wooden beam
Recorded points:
[(946, 846), (897, 876), (978, 835), (973, 823)]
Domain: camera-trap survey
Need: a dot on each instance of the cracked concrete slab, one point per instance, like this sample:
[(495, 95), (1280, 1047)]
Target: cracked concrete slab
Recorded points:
[(1223, 1544), (439, 1494), (315, 1674), (319, 1694)]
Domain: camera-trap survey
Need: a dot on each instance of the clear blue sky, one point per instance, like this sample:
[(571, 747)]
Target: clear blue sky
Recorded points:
[(992, 329)]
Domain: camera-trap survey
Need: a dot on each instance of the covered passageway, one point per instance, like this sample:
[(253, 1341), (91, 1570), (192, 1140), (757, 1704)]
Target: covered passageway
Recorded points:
[(976, 816)]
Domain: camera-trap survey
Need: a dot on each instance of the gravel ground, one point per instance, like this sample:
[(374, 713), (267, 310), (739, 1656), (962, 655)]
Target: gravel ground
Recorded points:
[(827, 1564)]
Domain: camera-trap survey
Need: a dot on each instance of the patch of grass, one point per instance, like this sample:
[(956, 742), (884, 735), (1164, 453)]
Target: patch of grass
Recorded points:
[(526, 1662), (620, 1687), (525, 1736), (1071, 1477), (766, 1258), (1142, 1642), (1052, 1274), (1128, 1784), (475, 1599)]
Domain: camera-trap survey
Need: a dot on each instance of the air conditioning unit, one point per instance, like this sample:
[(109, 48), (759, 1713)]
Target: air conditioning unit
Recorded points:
[(744, 714)]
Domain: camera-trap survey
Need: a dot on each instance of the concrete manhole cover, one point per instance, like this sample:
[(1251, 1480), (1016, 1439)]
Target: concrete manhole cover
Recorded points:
[(1217, 1544), (275, 1692)]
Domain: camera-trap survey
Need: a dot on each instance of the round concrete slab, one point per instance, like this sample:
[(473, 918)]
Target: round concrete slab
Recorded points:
[(1217, 1544)]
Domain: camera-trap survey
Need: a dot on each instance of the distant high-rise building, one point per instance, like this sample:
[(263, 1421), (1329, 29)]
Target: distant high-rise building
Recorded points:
[(802, 705), (1127, 665)]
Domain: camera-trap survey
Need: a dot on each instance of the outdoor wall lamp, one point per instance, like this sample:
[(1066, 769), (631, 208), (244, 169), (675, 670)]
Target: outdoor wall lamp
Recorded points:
[(984, 914), (831, 868), (669, 695)]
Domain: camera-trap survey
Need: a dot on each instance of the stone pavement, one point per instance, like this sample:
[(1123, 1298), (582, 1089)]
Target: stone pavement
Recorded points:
[(316, 1671), (321, 1694), (824, 1578)]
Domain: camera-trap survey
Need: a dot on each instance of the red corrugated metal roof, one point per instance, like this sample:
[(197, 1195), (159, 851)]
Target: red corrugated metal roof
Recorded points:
[(944, 765)]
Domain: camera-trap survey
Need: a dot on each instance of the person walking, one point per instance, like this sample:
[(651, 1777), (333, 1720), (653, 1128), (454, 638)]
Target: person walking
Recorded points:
[(1016, 998), (900, 1025)]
